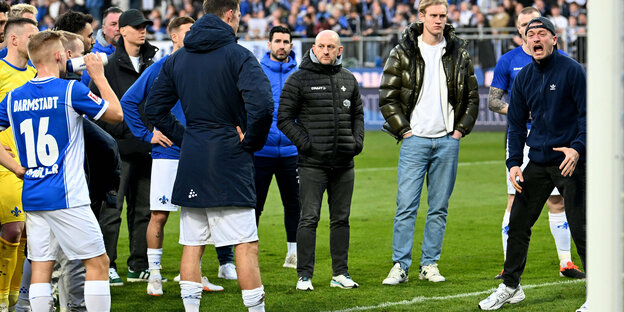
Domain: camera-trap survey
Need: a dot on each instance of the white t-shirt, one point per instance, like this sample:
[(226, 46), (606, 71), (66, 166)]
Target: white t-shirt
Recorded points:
[(135, 62), (427, 117)]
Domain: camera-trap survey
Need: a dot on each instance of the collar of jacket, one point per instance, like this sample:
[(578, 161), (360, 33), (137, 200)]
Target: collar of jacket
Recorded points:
[(409, 38), (310, 62), (547, 62), (276, 66), (146, 53)]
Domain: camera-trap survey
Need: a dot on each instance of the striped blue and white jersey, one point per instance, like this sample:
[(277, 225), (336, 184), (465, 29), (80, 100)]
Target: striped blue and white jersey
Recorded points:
[(45, 115)]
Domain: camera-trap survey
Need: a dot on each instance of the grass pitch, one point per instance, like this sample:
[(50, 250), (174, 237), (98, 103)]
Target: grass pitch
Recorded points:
[(471, 255)]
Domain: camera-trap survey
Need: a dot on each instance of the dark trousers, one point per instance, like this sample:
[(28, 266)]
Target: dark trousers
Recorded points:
[(134, 187), (225, 254), (285, 171), (539, 182), (312, 184), (103, 166)]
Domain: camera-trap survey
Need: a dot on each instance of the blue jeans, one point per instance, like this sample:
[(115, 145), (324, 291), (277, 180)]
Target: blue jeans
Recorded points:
[(437, 159)]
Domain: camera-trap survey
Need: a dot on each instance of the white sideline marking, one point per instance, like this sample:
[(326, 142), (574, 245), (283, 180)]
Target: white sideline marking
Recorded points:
[(461, 164), (423, 299)]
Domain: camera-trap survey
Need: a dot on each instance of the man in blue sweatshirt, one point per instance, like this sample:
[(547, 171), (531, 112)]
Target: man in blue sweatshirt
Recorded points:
[(552, 90)]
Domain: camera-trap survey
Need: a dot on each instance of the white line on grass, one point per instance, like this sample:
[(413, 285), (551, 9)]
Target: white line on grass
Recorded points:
[(461, 164), (422, 298)]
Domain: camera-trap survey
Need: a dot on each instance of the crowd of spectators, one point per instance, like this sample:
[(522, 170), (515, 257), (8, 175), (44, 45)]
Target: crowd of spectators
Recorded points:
[(349, 18), (306, 18)]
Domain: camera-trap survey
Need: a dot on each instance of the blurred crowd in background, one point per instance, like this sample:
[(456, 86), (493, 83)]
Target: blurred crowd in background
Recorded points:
[(352, 19)]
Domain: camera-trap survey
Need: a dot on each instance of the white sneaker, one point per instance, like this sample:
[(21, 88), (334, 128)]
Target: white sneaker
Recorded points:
[(113, 278), (177, 278), (304, 283), (343, 281), (396, 276), (154, 286), (208, 286), (227, 271), (431, 273), (291, 261), (500, 296), (583, 308)]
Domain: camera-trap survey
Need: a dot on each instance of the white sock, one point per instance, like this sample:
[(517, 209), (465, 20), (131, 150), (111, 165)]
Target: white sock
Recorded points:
[(254, 299), (504, 232), (41, 297), (97, 296), (292, 248), (561, 233), (153, 258), (191, 295), (24, 292)]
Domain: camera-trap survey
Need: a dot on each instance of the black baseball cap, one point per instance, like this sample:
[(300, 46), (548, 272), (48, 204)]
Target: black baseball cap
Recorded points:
[(545, 23), (133, 17)]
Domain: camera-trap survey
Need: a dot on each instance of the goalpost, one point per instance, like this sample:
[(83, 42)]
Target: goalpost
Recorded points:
[(605, 137)]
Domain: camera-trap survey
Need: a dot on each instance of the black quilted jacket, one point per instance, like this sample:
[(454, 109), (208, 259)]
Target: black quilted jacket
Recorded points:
[(403, 78), (320, 111)]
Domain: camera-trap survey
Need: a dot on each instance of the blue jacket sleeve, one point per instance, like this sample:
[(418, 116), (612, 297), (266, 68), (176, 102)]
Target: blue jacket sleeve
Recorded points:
[(517, 117), (133, 98), (255, 89), (162, 98), (579, 94)]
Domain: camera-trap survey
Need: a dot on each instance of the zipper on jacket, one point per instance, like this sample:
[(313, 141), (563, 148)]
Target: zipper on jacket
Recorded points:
[(331, 79), (279, 133)]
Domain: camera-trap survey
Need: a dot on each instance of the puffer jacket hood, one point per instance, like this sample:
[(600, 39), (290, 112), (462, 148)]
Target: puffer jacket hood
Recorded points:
[(409, 38), (310, 62), (209, 33)]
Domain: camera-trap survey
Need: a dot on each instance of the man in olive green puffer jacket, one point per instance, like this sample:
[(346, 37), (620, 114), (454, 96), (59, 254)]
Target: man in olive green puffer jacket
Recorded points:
[(429, 98)]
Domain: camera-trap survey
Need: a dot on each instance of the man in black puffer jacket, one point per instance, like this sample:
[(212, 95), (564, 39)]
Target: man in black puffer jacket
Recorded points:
[(320, 111)]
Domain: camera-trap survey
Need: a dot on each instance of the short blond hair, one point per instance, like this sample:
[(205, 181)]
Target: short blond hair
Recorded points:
[(42, 44), (424, 4), (68, 40), (18, 9)]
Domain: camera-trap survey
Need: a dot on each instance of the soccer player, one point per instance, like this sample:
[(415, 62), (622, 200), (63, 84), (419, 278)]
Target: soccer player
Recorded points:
[(20, 10), (508, 66), (77, 23), (165, 159), (228, 106), (14, 72), (45, 117)]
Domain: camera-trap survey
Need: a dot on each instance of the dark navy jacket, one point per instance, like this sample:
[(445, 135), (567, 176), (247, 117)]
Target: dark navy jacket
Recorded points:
[(277, 144), (554, 93), (220, 85)]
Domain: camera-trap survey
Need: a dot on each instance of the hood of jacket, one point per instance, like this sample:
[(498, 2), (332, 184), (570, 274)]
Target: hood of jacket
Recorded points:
[(409, 38), (310, 62), (209, 33), (278, 67), (99, 38)]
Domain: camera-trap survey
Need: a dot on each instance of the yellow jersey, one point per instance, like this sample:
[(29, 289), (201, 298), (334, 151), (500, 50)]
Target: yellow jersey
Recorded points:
[(12, 77)]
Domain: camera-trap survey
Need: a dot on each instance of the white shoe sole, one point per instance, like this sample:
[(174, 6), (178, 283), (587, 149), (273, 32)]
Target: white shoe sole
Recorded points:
[(392, 283), (339, 285)]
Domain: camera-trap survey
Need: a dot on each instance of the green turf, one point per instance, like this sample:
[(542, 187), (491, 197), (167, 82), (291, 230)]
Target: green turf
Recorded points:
[(471, 255)]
